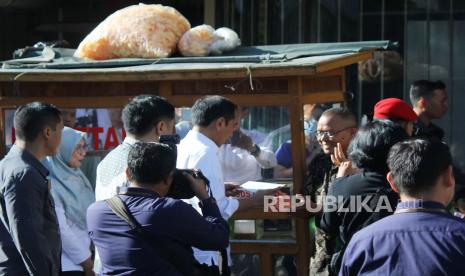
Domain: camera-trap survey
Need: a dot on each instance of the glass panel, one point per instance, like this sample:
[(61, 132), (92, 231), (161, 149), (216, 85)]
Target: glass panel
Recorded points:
[(349, 22), (328, 21), (392, 61), (283, 21), (457, 98), (440, 64), (417, 60), (284, 265), (245, 265)]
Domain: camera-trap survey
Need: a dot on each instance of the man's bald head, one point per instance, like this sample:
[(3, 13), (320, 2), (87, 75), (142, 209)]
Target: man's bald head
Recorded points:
[(336, 125)]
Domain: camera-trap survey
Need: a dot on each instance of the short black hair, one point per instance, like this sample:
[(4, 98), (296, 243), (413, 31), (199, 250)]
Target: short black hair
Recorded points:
[(149, 163), (144, 112), (369, 149), (210, 108), (343, 113), (424, 89), (417, 164), (32, 118)]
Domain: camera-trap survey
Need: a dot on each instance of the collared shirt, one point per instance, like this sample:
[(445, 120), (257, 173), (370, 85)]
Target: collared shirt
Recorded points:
[(110, 167), (412, 243), (198, 151), (123, 252), (29, 235), (239, 165)]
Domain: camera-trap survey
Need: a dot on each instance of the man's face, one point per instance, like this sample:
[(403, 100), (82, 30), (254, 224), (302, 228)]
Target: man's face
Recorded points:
[(54, 139), (332, 130), (437, 105), (229, 127)]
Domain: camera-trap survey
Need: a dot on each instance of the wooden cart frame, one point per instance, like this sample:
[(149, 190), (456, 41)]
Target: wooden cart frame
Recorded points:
[(318, 79)]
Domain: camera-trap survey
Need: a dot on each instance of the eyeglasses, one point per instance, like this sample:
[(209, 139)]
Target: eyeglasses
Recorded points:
[(81, 148), (330, 134)]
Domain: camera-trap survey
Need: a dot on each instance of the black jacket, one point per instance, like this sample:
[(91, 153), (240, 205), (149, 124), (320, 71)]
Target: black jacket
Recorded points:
[(29, 234), (345, 223), (431, 131)]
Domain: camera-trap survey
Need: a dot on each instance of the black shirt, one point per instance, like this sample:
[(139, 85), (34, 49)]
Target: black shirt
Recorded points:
[(431, 131)]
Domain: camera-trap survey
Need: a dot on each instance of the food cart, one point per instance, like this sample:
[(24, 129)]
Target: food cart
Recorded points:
[(282, 75)]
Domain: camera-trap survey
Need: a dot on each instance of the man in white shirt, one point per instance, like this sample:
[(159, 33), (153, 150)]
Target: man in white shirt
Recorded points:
[(243, 160), (145, 118), (215, 118)]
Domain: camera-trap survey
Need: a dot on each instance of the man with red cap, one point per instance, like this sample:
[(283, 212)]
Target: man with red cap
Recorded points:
[(397, 111)]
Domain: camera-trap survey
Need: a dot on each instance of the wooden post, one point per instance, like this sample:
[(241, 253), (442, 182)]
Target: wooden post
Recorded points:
[(298, 163), (209, 12)]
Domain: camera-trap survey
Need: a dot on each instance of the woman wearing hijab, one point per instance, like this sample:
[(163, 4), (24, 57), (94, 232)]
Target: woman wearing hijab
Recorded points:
[(72, 193)]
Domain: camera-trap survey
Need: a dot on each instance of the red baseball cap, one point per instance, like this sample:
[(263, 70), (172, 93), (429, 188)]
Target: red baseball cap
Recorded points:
[(393, 108)]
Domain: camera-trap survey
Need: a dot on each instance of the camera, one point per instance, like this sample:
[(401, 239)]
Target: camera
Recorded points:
[(180, 187), (84, 121)]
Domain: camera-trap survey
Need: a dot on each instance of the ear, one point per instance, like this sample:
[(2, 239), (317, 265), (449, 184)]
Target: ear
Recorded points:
[(422, 102), (47, 132), (168, 181), (449, 179), (220, 123), (126, 171), (390, 179), (160, 127)]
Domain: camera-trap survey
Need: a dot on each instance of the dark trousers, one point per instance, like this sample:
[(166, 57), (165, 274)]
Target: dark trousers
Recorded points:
[(205, 270), (72, 273)]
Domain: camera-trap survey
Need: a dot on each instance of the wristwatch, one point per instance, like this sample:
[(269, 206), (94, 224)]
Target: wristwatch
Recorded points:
[(255, 150), (202, 203)]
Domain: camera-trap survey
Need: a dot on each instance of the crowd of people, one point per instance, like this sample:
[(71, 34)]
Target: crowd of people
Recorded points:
[(139, 220)]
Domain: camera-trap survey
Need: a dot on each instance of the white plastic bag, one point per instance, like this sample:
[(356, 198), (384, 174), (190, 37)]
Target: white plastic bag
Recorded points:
[(225, 40)]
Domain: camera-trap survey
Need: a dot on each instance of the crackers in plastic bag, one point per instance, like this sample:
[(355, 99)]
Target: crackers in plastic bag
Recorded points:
[(138, 31), (197, 41)]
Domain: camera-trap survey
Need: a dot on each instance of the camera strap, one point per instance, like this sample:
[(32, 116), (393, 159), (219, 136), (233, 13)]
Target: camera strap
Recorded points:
[(118, 207)]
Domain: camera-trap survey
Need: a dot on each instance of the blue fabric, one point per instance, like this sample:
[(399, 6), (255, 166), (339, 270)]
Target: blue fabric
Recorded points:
[(284, 155), (70, 187), (419, 243), (122, 252)]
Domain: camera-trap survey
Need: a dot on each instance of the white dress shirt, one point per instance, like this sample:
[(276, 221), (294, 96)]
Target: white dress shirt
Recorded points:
[(75, 243), (113, 165), (240, 166), (198, 151)]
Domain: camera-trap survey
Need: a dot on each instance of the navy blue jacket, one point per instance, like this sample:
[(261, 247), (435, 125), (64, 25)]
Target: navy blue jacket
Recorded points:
[(173, 221), (419, 243), (29, 234)]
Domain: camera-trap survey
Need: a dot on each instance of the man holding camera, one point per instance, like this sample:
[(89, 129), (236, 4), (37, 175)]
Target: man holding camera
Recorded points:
[(215, 118), (167, 227)]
